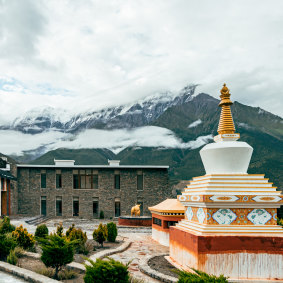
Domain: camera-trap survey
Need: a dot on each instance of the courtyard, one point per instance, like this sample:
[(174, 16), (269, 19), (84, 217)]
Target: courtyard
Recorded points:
[(141, 246)]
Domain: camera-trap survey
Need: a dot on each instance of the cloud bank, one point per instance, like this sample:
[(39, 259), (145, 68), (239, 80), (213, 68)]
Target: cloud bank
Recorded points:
[(115, 140)]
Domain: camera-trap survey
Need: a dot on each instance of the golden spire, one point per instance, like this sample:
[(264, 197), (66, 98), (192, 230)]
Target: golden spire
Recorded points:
[(226, 124)]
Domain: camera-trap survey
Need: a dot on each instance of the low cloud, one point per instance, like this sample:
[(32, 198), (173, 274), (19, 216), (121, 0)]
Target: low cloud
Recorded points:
[(115, 140)]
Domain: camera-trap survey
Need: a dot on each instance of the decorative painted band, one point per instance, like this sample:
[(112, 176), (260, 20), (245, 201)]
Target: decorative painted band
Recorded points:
[(232, 216), (232, 198)]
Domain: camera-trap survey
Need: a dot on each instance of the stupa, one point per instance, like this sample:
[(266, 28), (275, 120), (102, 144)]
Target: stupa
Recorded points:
[(230, 222)]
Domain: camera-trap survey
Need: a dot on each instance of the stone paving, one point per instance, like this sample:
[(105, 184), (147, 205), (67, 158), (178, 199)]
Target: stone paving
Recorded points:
[(142, 243), (142, 246)]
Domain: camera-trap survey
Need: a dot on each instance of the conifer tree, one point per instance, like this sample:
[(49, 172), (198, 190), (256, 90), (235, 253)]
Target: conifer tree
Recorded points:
[(56, 252)]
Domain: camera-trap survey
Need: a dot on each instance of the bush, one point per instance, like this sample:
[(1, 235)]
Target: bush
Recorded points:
[(100, 234), (106, 271), (41, 231), (199, 277), (12, 258), (67, 274), (7, 243), (112, 232), (101, 214), (56, 252), (23, 238), (77, 234), (48, 272), (6, 226), (19, 252), (59, 230), (280, 221)]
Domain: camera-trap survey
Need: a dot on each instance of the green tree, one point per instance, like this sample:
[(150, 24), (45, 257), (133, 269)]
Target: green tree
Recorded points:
[(41, 231), (56, 252), (6, 226), (7, 243), (23, 237), (112, 232), (100, 234), (108, 270), (77, 234)]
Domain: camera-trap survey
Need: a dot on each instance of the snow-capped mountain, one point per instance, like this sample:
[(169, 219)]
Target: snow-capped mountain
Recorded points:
[(137, 114)]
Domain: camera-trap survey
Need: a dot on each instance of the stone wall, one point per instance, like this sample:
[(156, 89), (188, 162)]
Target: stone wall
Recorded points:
[(29, 191)]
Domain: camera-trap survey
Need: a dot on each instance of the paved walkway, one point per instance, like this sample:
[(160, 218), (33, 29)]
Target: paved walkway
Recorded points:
[(142, 246)]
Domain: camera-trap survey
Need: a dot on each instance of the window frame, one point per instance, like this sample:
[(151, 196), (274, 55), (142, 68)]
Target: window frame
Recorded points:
[(140, 174), (58, 182), (57, 198), (81, 174), (43, 172)]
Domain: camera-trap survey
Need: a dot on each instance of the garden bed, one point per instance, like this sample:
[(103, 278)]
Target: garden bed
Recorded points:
[(92, 244), (36, 264), (160, 264)]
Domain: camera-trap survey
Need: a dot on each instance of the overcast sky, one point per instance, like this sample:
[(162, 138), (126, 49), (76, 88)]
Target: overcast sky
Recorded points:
[(90, 54)]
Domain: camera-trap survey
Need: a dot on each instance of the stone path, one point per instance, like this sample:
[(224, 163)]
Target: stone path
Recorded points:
[(142, 246)]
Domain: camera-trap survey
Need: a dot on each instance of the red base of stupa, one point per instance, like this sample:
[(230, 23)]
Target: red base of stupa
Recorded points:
[(241, 257)]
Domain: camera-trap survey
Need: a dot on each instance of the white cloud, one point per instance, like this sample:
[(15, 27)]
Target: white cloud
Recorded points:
[(195, 123), (115, 140), (89, 54)]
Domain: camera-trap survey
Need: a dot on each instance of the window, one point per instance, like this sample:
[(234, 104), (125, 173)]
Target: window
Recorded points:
[(140, 180), (95, 181), (117, 181), (43, 179), (95, 207), (58, 206), (157, 221), (58, 179), (76, 179), (117, 208), (170, 223), (141, 206), (88, 179), (43, 205), (85, 179), (76, 206)]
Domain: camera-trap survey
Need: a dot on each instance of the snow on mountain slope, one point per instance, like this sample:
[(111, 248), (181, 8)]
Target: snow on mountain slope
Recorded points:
[(137, 114)]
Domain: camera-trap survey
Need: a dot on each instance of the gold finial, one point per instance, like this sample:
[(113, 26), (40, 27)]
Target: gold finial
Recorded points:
[(226, 124), (225, 96)]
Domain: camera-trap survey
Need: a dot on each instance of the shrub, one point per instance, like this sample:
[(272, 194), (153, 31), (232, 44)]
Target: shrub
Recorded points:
[(41, 231), (199, 277), (7, 243), (59, 230), (77, 234), (56, 251), (48, 272), (67, 274), (111, 232), (12, 258), (280, 221), (6, 226), (23, 238), (100, 234), (19, 252), (101, 214), (109, 270)]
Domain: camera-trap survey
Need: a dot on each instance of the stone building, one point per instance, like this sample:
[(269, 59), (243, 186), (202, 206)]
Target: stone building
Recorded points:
[(67, 190), (6, 179)]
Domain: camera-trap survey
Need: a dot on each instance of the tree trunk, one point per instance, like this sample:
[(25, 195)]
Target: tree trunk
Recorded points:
[(56, 272)]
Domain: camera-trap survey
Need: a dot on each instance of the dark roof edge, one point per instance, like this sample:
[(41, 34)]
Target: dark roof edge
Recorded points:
[(95, 166)]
